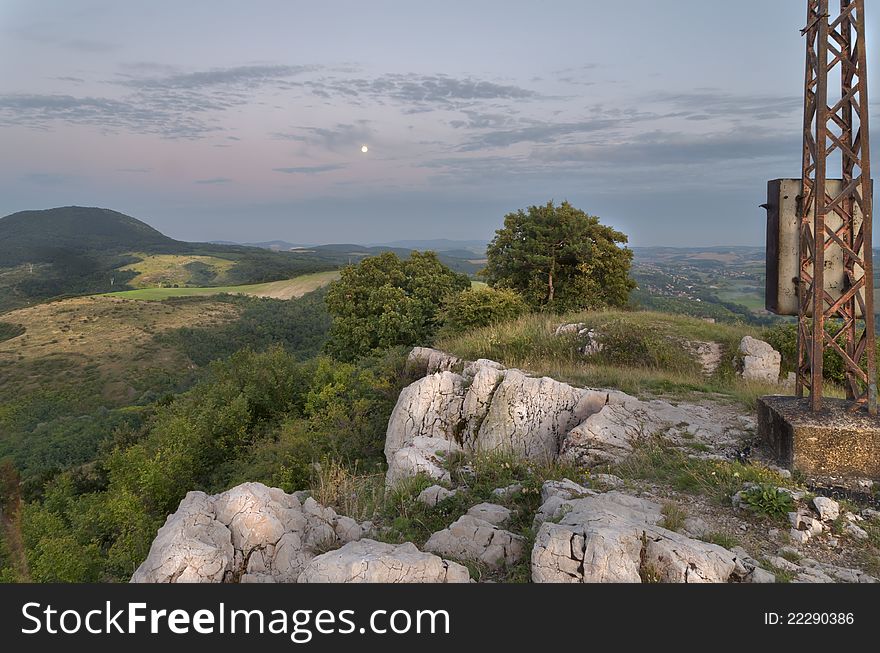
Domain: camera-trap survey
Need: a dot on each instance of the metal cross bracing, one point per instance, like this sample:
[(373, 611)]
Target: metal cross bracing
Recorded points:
[(836, 50)]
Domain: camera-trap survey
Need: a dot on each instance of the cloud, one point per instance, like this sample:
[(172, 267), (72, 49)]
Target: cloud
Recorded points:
[(422, 91), (310, 170), (716, 103), (338, 138), (40, 111), (213, 180), (539, 132), (238, 76), (658, 148), (90, 46)]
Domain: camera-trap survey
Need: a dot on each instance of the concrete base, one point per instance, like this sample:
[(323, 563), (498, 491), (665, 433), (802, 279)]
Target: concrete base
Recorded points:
[(834, 442)]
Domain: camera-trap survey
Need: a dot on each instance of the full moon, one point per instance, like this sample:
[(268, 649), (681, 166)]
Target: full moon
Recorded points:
[(364, 149)]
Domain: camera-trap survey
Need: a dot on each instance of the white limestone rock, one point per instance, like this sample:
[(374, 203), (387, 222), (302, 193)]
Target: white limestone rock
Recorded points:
[(472, 538), (758, 361), (368, 561), (490, 512), (615, 537), (828, 509), (423, 455), (251, 533), (433, 495)]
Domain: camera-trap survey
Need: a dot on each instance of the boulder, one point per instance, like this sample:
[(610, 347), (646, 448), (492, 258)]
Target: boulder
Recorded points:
[(422, 456), (828, 509), (472, 538), (368, 561), (490, 512), (530, 416), (251, 533), (428, 361), (758, 361), (433, 495), (615, 537)]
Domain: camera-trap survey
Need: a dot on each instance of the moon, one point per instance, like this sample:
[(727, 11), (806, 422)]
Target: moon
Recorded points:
[(364, 149)]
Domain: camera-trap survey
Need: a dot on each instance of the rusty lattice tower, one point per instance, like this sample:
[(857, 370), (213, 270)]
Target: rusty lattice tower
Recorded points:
[(835, 219)]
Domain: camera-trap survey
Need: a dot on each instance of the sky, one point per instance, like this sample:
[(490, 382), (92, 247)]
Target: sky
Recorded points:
[(223, 120)]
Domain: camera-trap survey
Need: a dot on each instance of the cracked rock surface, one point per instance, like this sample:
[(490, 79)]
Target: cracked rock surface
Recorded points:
[(368, 561), (490, 408), (251, 533), (615, 537), (472, 538)]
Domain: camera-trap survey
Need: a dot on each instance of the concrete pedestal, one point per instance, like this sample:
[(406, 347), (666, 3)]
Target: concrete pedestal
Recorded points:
[(834, 442)]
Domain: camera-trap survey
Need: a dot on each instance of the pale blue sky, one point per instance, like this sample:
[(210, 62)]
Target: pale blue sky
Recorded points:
[(244, 121)]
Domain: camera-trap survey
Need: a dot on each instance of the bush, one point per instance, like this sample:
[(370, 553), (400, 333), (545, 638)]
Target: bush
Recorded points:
[(383, 302), (480, 307), (768, 499)]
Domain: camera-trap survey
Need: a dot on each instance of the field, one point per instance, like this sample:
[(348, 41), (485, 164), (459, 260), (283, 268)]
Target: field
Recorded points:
[(169, 269), (285, 289)]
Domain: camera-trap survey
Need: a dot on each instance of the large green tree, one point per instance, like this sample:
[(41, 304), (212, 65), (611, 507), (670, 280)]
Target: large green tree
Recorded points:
[(560, 259), (384, 301)]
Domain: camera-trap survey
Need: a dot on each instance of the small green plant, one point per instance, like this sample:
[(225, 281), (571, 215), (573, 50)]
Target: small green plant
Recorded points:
[(673, 517), (767, 499), (721, 539)]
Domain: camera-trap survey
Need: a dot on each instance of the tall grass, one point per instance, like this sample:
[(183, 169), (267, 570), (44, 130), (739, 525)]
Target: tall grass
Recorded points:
[(645, 353)]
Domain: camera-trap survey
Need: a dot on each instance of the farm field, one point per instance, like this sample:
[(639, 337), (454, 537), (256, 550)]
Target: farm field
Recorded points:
[(284, 289)]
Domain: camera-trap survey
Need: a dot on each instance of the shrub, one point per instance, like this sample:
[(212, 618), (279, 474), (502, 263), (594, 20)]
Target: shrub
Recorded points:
[(768, 499), (480, 307)]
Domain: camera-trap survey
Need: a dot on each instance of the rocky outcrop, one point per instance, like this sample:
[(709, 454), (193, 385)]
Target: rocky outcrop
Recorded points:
[(758, 361), (251, 533), (368, 561), (420, 456), (472, 538), (617, 538), (488, 408)]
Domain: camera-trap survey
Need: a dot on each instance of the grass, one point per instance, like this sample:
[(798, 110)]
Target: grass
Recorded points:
[(673, 517), (400, 517), (285, 289), (169, 269), (645, 354), (656, 461)]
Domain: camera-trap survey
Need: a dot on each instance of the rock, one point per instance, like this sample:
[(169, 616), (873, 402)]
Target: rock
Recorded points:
[(569, 329), (475, 406), (828, 509), (868, 513), (507, 492), (472, 538), (707, 354), (799, 537), (490, 512), (192, 546), (433, 495), (857, 532), (250, 533), (421, 456), (812, 576), (368, 561), (615, 537), (758, 361), (608, 481), (530, 416), (429, 361), (565, 489), (785, 565), (696, 527), (430, 408), (802, 520), (759, 575)]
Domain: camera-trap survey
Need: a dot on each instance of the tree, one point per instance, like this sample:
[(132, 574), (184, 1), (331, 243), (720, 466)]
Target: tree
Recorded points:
[(384, 301), (560, 259)]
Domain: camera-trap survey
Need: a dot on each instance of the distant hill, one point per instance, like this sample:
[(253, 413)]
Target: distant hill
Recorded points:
[(439, 245), (77, 250), (37, 236), (274, 245)]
